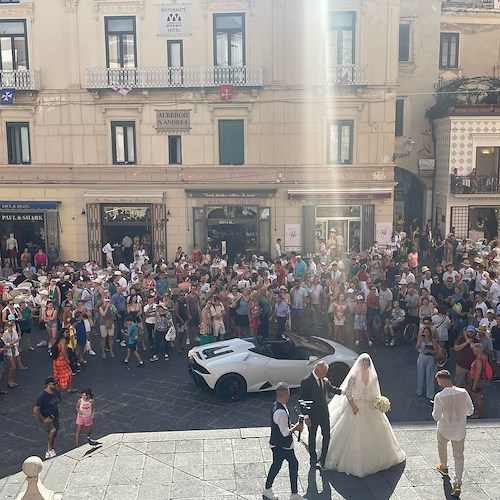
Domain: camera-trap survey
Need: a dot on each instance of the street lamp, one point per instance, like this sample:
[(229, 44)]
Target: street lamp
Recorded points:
[(409, 143)]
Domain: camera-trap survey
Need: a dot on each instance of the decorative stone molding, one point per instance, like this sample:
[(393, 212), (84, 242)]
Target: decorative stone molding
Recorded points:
[(218, 6), (106, 7), (20, 10), (35, 490), (71, 5)]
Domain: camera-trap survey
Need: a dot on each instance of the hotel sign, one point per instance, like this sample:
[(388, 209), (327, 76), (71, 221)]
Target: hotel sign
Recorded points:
[(173, 120), (174, 20)]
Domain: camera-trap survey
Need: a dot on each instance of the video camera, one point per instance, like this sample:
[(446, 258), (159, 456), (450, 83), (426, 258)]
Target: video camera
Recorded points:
[(303, 412)]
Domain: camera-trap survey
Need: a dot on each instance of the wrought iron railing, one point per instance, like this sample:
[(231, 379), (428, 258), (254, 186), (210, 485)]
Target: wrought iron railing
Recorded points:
[(346, 74), (187, 77), (20, 79), (474, 184)]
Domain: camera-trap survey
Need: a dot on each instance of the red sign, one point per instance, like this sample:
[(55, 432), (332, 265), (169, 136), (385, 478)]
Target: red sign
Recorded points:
[(226, 92)]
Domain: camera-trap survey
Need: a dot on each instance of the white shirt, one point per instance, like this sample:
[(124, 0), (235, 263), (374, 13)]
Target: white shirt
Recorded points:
[(452, 406), (277, 250), (127, 242), (442, 324), (280, 418)]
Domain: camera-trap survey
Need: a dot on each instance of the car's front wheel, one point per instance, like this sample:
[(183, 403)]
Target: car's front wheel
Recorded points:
[(337, 373), (231, 387)]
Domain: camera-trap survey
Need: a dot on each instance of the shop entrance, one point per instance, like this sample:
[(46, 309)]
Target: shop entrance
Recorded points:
[(346, 220), (133, 221), (483, 223), (31, 229), (233, 229)]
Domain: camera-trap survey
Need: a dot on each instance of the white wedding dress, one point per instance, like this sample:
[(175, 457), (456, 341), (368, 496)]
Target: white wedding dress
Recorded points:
[(364, 443)]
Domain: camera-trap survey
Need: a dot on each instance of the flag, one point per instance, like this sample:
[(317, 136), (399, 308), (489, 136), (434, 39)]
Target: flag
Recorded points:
[(122, 90), (226, 92), (345, 79), (7, 96)]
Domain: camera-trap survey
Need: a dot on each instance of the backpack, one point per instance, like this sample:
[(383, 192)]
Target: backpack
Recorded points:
[(54, 352)]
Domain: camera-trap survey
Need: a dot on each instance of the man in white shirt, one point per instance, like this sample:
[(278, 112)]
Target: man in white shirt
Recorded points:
[(281, 443), (452, 406), (277, 249)]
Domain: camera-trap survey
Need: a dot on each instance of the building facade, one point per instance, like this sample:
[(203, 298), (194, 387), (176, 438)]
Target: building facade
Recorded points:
[(466, 196), (226, 124)]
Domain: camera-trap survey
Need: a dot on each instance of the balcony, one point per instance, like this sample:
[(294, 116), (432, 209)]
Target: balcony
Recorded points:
[(172, 78), (20, 79), (346, 74), (474, 184)]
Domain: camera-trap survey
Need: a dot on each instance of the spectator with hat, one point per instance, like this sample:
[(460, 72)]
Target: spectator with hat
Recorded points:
[(464, 358)]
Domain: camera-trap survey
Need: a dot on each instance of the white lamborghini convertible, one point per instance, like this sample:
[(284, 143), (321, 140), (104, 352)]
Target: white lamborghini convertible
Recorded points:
[(234, 367)]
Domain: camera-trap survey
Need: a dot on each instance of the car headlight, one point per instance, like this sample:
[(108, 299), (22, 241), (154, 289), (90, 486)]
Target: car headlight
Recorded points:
[(191, 353)]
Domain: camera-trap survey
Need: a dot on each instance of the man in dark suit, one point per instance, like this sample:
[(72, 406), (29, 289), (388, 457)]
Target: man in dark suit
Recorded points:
[(316, 388)]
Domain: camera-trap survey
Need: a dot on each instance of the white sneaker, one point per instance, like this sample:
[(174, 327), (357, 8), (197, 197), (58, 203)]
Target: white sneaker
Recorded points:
[(296, 496), (42, 343), (47, 455), (92, 352), (52, 453), (269, 494), (370, 343), (123, 343), (393, 342), (357, 342)]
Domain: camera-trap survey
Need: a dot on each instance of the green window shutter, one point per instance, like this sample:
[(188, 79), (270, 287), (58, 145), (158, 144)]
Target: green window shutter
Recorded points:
[(368, 225), (404, 42), (309, 229), (231, 142), (400, 107)]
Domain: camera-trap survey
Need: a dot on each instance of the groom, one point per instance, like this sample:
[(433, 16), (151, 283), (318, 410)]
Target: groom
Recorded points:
[(316, 388)]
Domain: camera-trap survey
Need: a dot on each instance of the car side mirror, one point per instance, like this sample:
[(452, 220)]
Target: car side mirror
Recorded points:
[(312, 359)]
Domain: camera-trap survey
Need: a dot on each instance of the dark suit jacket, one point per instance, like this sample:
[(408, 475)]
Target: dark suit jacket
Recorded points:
[(310, 391)]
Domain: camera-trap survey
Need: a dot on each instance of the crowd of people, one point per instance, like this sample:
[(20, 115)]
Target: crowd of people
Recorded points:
[(145, 312)]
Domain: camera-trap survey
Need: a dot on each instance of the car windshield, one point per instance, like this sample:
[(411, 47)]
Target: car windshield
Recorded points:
[(314, 345)]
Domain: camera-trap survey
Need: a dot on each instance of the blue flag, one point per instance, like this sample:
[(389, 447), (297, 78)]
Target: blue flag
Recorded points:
[(7, 96)]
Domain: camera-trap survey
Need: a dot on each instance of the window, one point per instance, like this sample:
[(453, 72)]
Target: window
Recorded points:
[(229, 39), (340, 38), (120, 43), (175, 62), (13, 45), (231, 142), (9, 1), (404, 43), (174, 150), (18, 143), (123, 142), (448, 52), (340, 141), (400, 109)]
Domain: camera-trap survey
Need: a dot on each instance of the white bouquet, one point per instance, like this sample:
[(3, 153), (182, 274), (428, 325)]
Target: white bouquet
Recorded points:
[(382, 404)]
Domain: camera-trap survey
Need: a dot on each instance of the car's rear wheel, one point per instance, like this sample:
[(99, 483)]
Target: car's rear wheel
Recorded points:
[(337, 373), (231, 387)]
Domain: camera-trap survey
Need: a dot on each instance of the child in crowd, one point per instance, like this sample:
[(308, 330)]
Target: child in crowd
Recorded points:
[(132, 334), (85, 413)]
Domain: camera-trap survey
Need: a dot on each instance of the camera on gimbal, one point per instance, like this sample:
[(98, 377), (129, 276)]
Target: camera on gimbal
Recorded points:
[(303, 412)]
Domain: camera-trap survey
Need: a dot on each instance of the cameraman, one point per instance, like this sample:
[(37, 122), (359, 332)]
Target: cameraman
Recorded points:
[(281, 443)]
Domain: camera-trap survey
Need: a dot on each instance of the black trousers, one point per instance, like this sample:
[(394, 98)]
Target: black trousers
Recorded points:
[(160, 342), (279, 455), (324, 424)]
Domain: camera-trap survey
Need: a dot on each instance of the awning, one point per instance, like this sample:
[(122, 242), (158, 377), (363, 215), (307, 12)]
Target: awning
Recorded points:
[(340, 194)]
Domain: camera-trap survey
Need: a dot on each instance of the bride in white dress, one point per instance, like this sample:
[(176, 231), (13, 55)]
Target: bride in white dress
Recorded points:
[(362, 441)]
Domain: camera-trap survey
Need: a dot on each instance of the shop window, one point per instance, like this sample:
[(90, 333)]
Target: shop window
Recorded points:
[(448, 50), (174, 150), (340, 137), (123, 143), (404, 43), (488, 163), (13, 46), (18, 143), (400, 108), (229, 39), (231, 142)]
